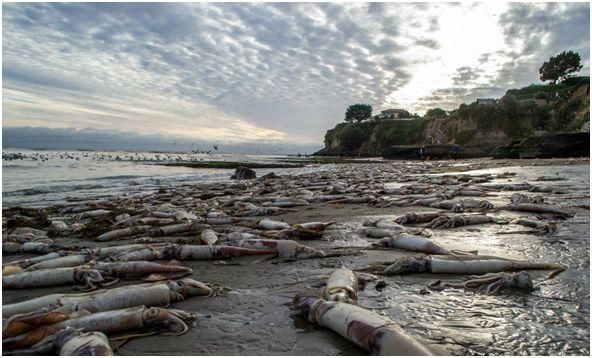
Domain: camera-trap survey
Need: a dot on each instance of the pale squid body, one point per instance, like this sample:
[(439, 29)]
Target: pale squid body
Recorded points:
[(136, 318), (269, 224), (206, 252), (149, 294), (465, 264), (370, 331), (208, 237), (413, 243), (285, 249), (417, 218), (83, 344), (342, 286), (119, 233), (54, 277)]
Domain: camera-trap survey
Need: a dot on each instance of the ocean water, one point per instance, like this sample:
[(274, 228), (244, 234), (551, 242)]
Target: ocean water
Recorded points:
[(43, 178)]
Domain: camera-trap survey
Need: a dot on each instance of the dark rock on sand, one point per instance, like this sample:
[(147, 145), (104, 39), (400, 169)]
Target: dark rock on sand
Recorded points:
[(269, 176), (550, 145), (380, 285), (244, 173), (26, 217)]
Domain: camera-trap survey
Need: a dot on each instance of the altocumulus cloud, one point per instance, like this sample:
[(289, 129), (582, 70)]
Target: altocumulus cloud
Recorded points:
[(273, 73), (530, 34)]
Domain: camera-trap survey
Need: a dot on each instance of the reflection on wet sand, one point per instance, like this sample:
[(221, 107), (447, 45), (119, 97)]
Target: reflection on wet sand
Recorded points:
[(335, 207)]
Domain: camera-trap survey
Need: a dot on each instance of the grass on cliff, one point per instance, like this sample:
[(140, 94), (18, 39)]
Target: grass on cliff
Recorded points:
[(376, 134), (510, 116), (394, 132), (563, 88)]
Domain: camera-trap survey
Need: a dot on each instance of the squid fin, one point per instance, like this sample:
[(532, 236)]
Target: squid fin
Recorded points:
[(555, 273), (463, 252), (127, 337), (164, 276), (519, 232), (265, 258)]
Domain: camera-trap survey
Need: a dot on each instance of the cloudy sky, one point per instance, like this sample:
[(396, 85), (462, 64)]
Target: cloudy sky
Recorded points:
[(267, 73)]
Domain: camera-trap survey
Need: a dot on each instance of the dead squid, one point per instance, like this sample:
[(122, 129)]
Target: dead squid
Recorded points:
[(109, 322), (126, 232), (446, 222), (86, 277), (492, 283), (208, 237), (263, 211), (417, 218), (412, 243), (269, 224), (540, 228), (518, 198), (161, 293), (539, 208), (69, 306), (287, 249), (206, 252), (465, 264), (142, 268), (64, 261), (35, 248), (371, 331), (72, 342), (342, 286), (34, 260), (304, 231)]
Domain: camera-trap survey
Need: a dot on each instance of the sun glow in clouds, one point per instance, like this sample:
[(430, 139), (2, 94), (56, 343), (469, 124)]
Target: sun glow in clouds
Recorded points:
[(271, 73), (464, 34)]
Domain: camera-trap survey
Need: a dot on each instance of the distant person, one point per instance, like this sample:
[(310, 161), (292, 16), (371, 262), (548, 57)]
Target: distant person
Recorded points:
[(454, 152), (422, 152)]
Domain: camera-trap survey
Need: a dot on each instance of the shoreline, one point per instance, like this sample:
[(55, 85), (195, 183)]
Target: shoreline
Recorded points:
[(253, 318)]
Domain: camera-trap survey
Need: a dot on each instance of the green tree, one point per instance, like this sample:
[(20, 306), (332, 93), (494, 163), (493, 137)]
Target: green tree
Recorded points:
[(435, 112), (560, 66), (358, 112)]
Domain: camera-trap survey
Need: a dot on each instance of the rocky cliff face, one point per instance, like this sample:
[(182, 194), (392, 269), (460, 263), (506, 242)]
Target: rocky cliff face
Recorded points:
[(480, 127), (548, 145), (372, 137)]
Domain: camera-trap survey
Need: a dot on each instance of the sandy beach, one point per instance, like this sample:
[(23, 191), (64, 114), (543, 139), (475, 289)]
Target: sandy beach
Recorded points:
[(253, 316), (296, 179)]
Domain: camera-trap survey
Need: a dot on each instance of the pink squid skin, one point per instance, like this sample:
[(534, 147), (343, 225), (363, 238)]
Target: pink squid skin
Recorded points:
[(54, 277), (259, 244), (134, 318), (229, 251), (413, 243), (206, 252), (72, 342), (139, 268), (285, 249), (371, 331)]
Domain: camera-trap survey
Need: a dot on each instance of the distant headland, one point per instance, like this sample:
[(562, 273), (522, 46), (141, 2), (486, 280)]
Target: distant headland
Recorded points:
[(537, 121)]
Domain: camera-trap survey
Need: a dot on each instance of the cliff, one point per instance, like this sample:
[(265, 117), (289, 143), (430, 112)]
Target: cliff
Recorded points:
[(529, 112), (372, 137)]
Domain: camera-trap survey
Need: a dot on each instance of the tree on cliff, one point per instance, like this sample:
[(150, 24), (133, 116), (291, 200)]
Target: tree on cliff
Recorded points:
[(358, 112), (560, 66), (435, 112)]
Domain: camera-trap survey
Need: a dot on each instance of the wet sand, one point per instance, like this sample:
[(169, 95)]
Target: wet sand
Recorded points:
[(253, 318)]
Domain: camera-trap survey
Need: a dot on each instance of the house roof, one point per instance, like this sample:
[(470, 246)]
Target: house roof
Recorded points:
[(395, 110)]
